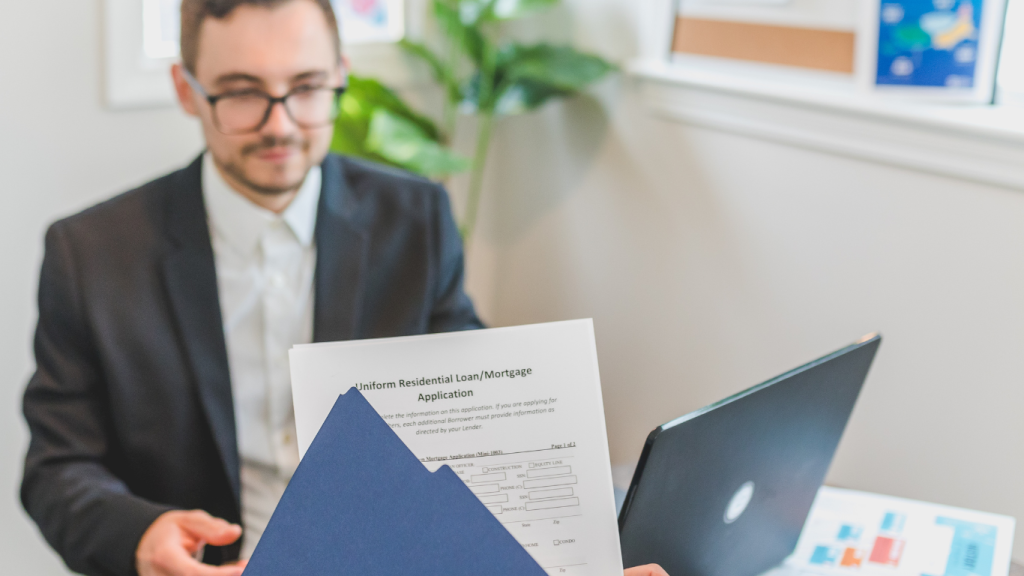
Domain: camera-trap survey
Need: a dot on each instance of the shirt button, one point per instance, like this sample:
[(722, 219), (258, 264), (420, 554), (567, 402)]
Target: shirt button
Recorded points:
[(287, 438)]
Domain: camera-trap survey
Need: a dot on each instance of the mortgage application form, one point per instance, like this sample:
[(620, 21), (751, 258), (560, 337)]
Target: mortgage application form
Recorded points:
[(516, 412)]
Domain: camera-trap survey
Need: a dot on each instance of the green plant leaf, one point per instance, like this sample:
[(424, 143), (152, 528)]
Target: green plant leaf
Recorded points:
[(561, 67), (469, 38), (404, 144), (376, 124), (529, 76), (472, 12), (349, 136), (441, 73), (524, 96), (367, 94)]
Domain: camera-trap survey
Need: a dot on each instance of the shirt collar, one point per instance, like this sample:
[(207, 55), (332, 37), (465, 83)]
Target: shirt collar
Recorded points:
[(241, 222)]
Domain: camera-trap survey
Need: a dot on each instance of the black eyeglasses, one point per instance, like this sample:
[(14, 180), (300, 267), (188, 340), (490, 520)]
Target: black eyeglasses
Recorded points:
[(245, 111)]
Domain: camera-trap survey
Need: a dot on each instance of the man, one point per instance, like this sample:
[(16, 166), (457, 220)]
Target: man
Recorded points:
[(160, 411)]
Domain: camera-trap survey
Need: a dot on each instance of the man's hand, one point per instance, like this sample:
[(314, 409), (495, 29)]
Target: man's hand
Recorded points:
[(649, 570), (170, 543)]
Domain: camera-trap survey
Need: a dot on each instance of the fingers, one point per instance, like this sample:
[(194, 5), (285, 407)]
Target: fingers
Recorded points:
[(168, 545), (206, 528), (179, 563), (648, 570), (205, 570)]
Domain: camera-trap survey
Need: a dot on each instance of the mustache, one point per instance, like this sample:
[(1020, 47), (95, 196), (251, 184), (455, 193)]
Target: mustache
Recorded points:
[(270, 141)]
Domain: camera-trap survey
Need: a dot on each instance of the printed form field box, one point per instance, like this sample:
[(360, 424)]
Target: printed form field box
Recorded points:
[(545, 482), (556, 493), (496, 509), (496, 477), (548, 504), (494, 499), (542, 472), (484, 489)]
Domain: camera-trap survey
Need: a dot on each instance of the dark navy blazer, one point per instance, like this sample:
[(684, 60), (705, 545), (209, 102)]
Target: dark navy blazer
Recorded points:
[(130, 408)]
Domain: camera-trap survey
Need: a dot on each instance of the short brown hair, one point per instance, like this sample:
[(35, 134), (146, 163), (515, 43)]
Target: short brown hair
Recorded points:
[(195, 12)]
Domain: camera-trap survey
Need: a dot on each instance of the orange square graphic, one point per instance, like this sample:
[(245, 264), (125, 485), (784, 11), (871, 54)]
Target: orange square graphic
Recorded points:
[(852, 557)]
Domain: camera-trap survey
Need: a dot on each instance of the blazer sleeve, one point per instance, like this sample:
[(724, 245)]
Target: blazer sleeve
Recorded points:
[(83, 510), (452, 310)]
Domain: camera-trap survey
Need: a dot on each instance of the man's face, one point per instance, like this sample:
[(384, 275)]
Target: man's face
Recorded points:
[(275, 51)]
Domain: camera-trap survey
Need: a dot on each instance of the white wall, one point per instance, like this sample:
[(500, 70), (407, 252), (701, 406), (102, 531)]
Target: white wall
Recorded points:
[(60, 151), (712, 262)]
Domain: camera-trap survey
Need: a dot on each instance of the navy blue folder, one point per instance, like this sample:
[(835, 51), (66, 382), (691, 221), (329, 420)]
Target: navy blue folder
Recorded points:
[(361, 503)]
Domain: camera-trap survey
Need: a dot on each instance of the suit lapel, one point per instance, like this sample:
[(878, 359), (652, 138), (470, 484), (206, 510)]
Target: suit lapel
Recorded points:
[(190, 276), (191, 280), (341, 244)]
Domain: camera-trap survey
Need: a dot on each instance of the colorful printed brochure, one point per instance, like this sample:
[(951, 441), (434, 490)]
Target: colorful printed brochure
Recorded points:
[(857, 533)]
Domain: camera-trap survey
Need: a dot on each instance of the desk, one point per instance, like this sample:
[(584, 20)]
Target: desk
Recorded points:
[(623, 474)]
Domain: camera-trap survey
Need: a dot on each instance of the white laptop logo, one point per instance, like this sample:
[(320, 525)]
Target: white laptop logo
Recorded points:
[(739, 502)]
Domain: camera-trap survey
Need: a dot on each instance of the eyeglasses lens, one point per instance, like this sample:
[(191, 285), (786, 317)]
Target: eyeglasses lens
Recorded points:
[(241, 113), (313, 108)]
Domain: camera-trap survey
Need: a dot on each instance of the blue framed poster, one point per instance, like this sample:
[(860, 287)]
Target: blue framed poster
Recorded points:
[(947, 46), (928, 42)]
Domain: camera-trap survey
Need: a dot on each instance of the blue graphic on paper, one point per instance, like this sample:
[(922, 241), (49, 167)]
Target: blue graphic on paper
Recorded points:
[(824, 555), (893, 522), (928, 42), (849, 532), (973, 548)]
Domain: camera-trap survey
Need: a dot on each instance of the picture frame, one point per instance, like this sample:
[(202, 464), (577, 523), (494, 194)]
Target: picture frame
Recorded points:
[(962, 64), (140, 45), (808, 37)]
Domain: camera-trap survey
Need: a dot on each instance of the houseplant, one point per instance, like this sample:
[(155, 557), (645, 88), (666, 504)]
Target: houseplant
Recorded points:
[(483, 73)]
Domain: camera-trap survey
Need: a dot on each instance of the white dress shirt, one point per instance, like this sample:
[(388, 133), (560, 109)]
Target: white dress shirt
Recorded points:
[(265, 264)]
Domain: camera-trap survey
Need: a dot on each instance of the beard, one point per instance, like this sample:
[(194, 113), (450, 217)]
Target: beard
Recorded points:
[(238, 172)]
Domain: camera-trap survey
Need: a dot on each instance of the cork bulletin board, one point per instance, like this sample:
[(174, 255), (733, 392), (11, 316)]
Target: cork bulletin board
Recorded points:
[(812, 34)]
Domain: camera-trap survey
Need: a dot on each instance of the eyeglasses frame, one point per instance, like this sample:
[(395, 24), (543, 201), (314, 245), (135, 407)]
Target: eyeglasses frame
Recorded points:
[(271, 102)]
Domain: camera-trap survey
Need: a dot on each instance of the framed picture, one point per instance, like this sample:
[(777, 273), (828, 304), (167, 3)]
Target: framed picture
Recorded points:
[(941, 50), (370, 21), (141, 43), (810, 35), (161, 22)]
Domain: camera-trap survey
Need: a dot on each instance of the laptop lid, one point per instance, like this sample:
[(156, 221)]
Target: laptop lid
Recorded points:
[(725, 490)]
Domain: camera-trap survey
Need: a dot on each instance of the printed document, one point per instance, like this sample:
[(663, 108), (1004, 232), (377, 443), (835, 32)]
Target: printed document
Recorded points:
[(516, 412), (860, 534)]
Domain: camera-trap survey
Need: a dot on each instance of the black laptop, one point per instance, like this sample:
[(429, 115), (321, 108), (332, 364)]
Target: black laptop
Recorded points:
[(725, 490)]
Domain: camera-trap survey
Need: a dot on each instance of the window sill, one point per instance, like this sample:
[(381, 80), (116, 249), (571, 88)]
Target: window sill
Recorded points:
[(826, 113)]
